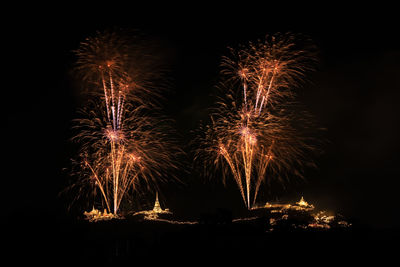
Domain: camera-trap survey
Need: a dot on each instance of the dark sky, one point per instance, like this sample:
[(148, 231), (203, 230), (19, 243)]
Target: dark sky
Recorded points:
[(353, 93)]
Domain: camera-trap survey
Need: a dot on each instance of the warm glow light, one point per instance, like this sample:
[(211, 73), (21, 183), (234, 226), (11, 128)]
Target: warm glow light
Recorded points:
[(320, 220)]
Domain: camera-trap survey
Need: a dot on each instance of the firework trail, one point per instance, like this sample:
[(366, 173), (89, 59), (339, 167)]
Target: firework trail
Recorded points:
[(253, 134), (123, 143)]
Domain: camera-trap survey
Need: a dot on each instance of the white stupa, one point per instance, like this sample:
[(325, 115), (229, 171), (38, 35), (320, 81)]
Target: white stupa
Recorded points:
[(303, 205), (157, 208), (153, 214)]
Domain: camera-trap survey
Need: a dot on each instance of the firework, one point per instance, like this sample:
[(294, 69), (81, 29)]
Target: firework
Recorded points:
[(253, 133), (123, 143)]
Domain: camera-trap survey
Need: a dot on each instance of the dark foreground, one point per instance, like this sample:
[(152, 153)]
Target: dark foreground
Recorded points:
[(132, 239)]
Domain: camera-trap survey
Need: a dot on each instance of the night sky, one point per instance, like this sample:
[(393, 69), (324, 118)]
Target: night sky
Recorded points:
[(354, 93)]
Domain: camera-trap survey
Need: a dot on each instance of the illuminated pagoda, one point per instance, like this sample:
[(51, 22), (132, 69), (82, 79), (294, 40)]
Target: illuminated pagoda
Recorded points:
[(154, 213), (157, 208), (303, 205)]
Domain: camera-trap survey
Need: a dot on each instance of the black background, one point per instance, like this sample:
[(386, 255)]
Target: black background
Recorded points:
[(354, 94)]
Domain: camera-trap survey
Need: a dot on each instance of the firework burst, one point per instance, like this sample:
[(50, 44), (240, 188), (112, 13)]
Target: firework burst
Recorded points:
[(253, 134), (124, 144)]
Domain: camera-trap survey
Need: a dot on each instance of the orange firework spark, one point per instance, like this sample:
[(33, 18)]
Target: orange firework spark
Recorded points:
[(253, 135), (121, 144)]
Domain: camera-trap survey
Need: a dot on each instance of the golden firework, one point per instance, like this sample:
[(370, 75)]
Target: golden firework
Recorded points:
[(124, 143), (253, 133)]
